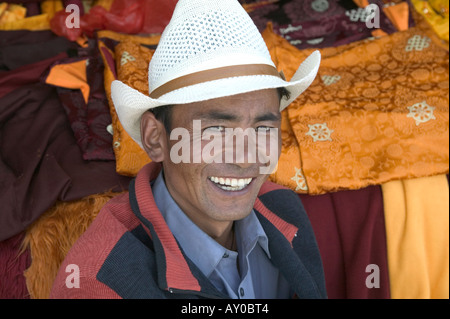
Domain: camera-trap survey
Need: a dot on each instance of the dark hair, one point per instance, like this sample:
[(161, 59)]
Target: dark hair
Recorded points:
[(164, 113)]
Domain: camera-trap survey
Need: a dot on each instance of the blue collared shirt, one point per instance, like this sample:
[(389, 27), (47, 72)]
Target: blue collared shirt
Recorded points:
[(256, 277)]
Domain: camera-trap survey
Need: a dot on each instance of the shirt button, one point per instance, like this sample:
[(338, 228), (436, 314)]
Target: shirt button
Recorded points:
[(225, 255), (241, 291)]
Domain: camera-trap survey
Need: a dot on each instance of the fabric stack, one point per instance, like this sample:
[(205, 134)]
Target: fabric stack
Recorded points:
[(366, 147)]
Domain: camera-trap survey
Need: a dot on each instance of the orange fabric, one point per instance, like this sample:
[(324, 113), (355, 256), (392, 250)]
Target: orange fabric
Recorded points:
[(82, 41), (132, 61), (361, 3), (130, 157), (377, 111), (399, 15), (71, 76), (51, 236)]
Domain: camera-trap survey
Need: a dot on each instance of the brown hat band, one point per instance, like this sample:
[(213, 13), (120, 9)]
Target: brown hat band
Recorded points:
[(212, 75)]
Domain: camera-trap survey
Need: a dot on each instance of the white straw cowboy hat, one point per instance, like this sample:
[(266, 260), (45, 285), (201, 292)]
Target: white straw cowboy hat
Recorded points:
[(210, 49)]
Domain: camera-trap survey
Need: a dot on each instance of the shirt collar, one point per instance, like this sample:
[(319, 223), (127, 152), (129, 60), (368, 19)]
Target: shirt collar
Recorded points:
[(193, 240)]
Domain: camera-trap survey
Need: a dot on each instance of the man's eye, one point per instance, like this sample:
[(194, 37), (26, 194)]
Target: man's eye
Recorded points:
[(263, 129), (215, 129)]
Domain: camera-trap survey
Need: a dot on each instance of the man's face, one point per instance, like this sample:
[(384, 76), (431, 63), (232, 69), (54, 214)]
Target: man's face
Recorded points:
[(220, 192)]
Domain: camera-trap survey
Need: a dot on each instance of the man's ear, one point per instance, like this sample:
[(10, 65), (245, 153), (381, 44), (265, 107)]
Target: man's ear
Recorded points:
[(153, 137)]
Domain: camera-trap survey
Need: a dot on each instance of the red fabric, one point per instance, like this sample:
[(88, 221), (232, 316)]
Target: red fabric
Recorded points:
[(350, 232), (12, 265), (124, 16)]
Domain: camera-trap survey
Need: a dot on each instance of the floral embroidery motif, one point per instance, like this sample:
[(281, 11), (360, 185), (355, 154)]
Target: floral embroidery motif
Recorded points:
[(299, 179), (359, 14), (417, 43), (421, 112), (320, 132), (126, 57), (330, 79), (320, 5)]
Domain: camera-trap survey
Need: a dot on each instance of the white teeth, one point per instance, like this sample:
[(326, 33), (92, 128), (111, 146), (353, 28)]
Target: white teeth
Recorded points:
[(231, 184)]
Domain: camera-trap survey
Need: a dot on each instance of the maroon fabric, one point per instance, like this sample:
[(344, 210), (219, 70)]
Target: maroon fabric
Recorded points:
[(40, 161), (89, 120), (17, 55), (13, 263), (75, 2), (11, 80), (319, 23), (350, 231), (333, 31), (13, 37), (33, 9)]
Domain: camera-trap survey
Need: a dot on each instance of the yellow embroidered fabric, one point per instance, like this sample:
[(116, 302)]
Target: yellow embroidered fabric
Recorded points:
[(50, 7), (377, 111), (417, 228), (13, 17), (130, 157), (436, 13), (132, 61), (11, 12)]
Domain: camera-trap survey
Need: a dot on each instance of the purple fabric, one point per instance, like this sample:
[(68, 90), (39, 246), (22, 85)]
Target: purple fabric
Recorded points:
[(40, 161)]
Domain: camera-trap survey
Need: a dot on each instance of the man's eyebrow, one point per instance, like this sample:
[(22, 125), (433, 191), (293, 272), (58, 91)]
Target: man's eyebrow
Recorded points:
[(216, 115), (270, 117), (224, 116)]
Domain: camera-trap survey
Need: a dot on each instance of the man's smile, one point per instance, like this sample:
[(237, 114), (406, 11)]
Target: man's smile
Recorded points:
[(230, 184)]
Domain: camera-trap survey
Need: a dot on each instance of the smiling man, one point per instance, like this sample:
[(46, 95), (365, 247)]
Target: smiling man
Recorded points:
[(209, 225)]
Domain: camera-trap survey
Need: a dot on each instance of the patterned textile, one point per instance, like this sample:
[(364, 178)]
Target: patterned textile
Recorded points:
[(377, 111), (80, 89), (322, 23), (436, 12), (130, 157)]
